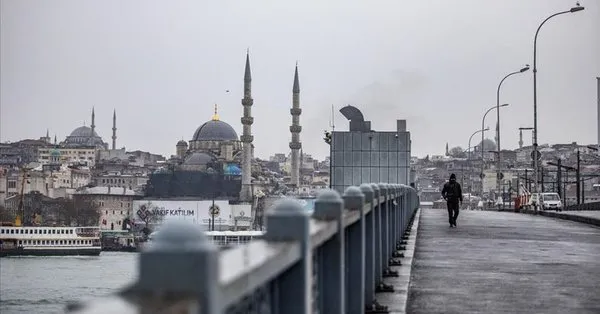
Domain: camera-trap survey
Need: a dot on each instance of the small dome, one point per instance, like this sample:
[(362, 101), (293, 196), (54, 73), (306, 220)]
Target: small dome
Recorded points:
[(83, 131), (55, 152), (215, 130), (198, 158), (487, 145), (182, 143)]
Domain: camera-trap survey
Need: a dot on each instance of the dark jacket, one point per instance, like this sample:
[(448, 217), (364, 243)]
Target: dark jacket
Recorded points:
[(452, 191)]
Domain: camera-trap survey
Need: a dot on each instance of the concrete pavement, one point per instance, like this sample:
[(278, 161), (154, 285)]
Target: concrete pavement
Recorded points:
[(501, 262)]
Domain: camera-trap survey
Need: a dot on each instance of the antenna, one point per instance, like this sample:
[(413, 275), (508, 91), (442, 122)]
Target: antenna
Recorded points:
[(332, 120)]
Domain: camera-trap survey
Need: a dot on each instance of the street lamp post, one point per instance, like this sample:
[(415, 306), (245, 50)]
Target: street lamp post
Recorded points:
[(469, 158), (535, 128), (482, 144), (499, 157)]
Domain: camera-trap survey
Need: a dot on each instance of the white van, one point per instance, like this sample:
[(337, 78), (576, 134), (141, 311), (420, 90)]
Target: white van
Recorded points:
[(547, 201)]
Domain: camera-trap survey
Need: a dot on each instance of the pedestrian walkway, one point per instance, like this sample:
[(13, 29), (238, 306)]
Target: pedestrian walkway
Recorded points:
[(501, 262)]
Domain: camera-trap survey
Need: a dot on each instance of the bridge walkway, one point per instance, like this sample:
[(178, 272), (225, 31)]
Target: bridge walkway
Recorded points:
[(502, 262)]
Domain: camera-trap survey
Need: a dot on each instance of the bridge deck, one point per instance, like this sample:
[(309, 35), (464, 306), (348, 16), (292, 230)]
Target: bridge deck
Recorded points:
[(504, 263)]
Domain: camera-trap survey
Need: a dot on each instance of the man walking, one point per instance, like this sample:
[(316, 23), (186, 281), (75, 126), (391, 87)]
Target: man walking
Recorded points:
[(452, 193)]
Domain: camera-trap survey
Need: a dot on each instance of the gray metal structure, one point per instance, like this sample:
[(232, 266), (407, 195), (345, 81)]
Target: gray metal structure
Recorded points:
[(362, 155), (330, 262)]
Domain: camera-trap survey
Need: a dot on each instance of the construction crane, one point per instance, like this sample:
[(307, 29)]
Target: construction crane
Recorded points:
[(20, 217)]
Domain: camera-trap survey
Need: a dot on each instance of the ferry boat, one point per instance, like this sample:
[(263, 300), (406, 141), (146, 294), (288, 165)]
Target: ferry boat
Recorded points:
[(49, 241), (226, 239)]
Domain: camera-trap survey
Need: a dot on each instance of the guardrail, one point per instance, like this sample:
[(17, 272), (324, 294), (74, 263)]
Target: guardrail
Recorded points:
[(330, 262), (585, 206)]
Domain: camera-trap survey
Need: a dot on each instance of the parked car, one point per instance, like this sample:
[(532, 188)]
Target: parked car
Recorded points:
[(546, 201)]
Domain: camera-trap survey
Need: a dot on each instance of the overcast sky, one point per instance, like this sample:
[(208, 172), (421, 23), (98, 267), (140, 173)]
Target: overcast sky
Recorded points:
[(163, 64)]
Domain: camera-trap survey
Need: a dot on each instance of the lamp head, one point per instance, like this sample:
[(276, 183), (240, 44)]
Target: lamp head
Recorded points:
[(504, 105), (577, 8), (525, 68)]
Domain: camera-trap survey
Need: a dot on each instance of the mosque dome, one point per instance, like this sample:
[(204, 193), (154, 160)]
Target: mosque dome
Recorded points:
[(215, 130), (84, 136), (84, 131), (198, 159), (182, 143), (487, 145)]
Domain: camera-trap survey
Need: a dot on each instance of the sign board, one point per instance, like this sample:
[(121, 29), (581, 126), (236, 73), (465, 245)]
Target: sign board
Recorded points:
[(199, 212)]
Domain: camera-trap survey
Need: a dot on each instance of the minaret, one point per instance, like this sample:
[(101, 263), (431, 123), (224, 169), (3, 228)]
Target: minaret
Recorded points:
[(247, 138), (55, 143), (295, 128), (47, 136), (93, 126), (520, 138), (447, 151), (114, 129)]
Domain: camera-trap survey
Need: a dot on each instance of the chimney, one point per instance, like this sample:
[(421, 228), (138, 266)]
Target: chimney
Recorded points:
[(401, 125)]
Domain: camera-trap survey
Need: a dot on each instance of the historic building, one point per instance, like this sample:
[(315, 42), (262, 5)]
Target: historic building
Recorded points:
[(113, 204), (207, 167)]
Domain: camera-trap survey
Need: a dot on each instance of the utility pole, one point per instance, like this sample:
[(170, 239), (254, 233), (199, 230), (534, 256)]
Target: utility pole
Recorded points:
[(558, 178), (578, 178)]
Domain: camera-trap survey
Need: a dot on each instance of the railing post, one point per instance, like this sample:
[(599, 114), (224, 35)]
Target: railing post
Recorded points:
[(385, 232), (354, 200), (193, 266), (378, 251), (329, 207), (367, 191), (395, 225), (289, 221), (385, 216)]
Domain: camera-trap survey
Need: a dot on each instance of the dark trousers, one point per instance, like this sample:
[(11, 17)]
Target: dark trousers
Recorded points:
[(452, 211)]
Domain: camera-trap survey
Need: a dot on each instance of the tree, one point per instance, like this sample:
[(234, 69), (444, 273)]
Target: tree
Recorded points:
[(80, 211), (457, 152), (5, 215), (148, 214)]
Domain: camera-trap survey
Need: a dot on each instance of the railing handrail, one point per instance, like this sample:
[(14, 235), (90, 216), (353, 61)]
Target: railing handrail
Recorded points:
[(349, 240)]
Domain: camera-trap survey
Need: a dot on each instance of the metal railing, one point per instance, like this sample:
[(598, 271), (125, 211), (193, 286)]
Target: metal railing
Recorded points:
[(585, 206), (332, 261)]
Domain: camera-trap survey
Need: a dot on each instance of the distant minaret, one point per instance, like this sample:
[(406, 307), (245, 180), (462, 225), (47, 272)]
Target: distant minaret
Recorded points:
[(520, 138), (247, 138), (55, 139), (447, 151), (114, 129), (295, 128), (93, 126), (47, 136)]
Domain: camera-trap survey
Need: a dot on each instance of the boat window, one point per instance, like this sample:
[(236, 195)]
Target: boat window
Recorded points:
[(1, 230), (53, 231), (26, 230), (12, 231), (45, 231)]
